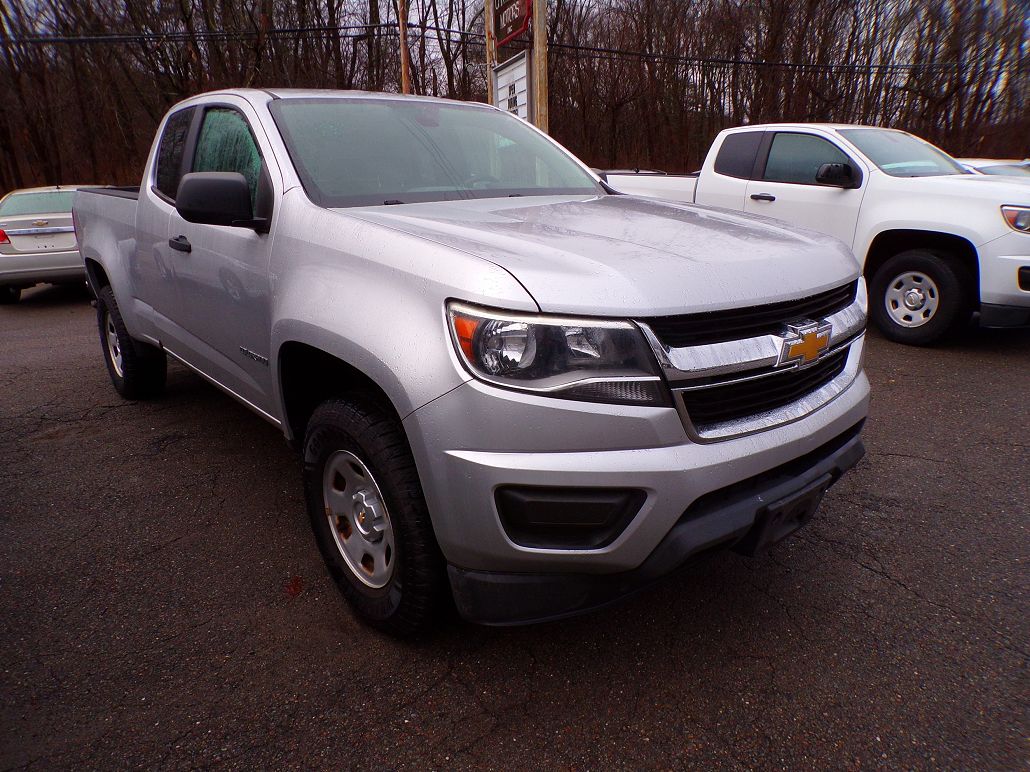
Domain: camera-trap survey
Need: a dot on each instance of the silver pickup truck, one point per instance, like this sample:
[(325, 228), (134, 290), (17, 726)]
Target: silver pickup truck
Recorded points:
[(509, 385)]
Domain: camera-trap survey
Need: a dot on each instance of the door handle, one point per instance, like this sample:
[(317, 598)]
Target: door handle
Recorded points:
[(180, 244), (763, 197)]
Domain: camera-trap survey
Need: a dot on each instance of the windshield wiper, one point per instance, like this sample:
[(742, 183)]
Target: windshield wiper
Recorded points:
[(392, 202)]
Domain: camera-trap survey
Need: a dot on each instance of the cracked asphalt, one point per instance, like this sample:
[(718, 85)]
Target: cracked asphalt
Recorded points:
[(162, 602)]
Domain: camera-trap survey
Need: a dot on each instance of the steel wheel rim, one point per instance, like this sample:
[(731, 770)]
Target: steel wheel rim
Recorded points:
[(358, 519), (114, 348), (912, 299)]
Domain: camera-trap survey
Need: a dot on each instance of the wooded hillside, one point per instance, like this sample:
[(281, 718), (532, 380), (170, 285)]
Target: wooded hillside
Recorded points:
[(633, 82)]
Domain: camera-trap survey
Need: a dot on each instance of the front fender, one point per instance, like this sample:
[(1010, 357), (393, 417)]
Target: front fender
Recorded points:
[(376, 299)]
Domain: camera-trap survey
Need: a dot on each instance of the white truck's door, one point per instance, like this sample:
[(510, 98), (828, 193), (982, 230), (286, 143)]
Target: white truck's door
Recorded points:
[(785, 186), (727, 169)]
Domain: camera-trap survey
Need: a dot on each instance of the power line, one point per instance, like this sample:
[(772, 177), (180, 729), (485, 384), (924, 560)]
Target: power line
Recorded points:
[(185, 36), (466, 37)]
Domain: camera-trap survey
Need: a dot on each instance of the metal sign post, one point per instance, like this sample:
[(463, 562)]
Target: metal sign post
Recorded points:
[(402, 29), (491, 49), (540, 64)]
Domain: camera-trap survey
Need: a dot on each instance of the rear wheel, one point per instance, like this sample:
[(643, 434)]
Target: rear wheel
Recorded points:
[(137, 369), (919, 297), (9, 295), (369, 516)]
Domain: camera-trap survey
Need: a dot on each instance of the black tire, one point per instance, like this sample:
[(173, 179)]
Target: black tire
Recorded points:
[(9, 295), (940, 279), (415, 593), (143, 367)]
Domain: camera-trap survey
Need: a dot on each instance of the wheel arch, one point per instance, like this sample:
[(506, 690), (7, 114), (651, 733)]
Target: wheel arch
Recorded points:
[(96, 275), (308, 375), (960, 250)]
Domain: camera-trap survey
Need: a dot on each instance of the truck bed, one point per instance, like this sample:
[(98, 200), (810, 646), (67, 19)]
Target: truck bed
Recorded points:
[(674, 187), (105, 221), (118, 191)]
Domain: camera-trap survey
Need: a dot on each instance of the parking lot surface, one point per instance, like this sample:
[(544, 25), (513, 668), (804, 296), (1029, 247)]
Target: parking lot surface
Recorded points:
[(162, 602)]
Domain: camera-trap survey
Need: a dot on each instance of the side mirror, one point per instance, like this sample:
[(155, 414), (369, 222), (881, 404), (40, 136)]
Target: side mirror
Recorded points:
[(838, 175), (217, 198)]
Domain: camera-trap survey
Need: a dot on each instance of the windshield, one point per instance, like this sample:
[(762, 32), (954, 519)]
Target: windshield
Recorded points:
[(902, 155), (37, 203), (369, 152)]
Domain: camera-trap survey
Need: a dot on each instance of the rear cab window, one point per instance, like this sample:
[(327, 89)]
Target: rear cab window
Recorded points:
[(170, 152), (796, 158), (737, 154)]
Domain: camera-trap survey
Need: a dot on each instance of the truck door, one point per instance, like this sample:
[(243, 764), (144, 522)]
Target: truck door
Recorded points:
[(222, 271), (785, 186), (152, 267), (723, 180)]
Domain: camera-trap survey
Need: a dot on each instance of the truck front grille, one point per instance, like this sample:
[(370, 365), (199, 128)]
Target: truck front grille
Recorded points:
[(721, 402), (737, 323)]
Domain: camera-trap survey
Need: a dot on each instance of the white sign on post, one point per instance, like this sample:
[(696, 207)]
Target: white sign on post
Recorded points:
[(511, 86)]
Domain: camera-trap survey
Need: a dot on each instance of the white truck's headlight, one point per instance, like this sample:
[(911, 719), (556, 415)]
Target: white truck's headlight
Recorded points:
[(1018, 217), (595, 360)]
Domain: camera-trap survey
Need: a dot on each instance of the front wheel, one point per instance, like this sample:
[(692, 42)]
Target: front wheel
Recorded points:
[(919, 298), (370, 517), (137, 369), (9, 295)]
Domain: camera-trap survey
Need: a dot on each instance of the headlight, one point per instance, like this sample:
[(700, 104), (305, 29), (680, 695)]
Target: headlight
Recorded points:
[(587, 359), (1018, 217)]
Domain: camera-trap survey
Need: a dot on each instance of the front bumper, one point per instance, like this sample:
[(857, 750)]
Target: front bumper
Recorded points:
[(26, 269), (718, 519), (478, 438), (1004, 316), (1003, 301)]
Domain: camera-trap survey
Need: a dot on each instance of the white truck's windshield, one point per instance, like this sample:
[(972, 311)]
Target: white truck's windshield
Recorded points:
[(902, 155), (370, 152)]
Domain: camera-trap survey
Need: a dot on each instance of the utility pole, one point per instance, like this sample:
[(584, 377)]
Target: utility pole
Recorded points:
[(402, 26), (540, 64), (491, 48)]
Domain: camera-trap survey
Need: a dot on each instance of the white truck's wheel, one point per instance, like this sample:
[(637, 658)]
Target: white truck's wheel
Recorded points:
[(919, 297)]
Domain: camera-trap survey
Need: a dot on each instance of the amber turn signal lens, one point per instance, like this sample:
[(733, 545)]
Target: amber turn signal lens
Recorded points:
[(465, 329)]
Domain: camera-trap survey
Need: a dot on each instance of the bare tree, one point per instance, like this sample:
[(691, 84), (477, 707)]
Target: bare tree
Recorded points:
[(633, 82)]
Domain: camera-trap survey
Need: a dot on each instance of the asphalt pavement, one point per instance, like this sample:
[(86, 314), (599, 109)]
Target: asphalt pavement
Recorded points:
[(162, 602)]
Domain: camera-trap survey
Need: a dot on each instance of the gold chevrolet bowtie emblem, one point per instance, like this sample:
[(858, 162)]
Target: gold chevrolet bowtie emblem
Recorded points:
[(805, 343), (40, 223)]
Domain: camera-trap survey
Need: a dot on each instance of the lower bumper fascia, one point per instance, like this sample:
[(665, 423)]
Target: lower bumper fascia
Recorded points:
[(1004, 316), (717, 520)]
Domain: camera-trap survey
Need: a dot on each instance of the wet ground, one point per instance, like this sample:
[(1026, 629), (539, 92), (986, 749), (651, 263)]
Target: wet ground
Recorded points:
[(162, 603)]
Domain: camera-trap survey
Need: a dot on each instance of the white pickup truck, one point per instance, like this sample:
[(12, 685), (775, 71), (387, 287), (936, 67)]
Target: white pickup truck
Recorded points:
[(937, 241)]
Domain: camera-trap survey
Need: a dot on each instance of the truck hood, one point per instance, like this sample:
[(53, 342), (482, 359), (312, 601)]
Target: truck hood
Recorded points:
[(624, 256), (981, 187)]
